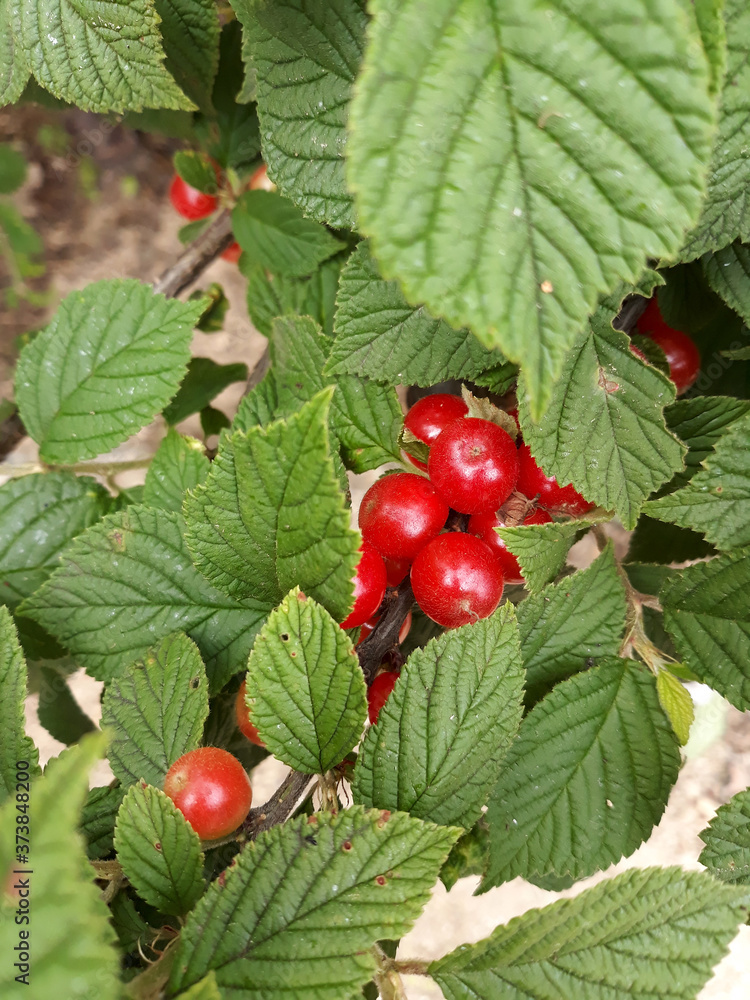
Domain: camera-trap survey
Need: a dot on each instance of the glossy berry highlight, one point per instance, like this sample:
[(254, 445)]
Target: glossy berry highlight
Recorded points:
[(483, 526), (456, 580), (211, 789), (189, 202), (242, 713), (473, 465), (536, 485), (430, 416), (369, 587), (400, 513)]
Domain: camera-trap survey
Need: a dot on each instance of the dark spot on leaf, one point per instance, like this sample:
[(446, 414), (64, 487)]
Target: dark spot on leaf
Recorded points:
[(195, 683), (117, 540), (157, 845), (284, 637), (605, 383), (384, 817), (347, 845), (309, 839), (380, 880), (292, 653), (312, 820)]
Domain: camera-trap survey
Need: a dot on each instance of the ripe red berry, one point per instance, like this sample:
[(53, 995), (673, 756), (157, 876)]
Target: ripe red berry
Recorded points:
[(232, 253), (369, 587), (379, 692), (473, 464), (681, 353), (483, 526), (370, 625), (396, 570), (431, 415), (211, 789), (242, 712), (456, 580), (188, 201), (400, 513), (534, 484)]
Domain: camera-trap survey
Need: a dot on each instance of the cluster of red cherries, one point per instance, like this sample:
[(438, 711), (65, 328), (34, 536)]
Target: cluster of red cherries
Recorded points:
[(194, 205)]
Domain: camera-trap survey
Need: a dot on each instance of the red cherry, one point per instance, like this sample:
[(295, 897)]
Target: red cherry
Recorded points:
[(473, 464), (379, 693), (188, 201), (431, 415), (534, 484), (369, 587), (681, 353), (456, 580), (400, 513), (211, 789), (396, 570), (242, 712), (260, 181), (370, 625), (232, 253), (483, 525)]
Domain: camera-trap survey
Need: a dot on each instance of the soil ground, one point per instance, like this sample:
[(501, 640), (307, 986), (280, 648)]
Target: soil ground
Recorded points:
[(99, 201)]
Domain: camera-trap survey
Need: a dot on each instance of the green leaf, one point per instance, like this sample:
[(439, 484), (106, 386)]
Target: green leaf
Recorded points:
[(12, 169), (274, 233), (305, 687), (716, 501), (675, 699), (58, 710), (566, 624), (109, 361), (741, 354), (646, 933), (159, 851), (196, 169), (213, 421), (726, 213), (202, 384), (541, 549), (658, 542), (190, 30), (206, 989), (179, 464), (604, 429), (271, 515), (315, 893), (469, 855), (128, 582), (707, 614), (306, 57), (441, 737), (499, 379), (156, 710), (14, 71), (98, 820), (78, 54), (709, 18), (71, 940), (728, 273), (212, 320), (595, 126), (39, 516), (700, 422), (587, 779), (727, 840), (379, 335), (15, 745), (259, 408)]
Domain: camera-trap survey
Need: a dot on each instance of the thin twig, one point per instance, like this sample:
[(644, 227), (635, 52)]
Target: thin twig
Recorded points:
[(196, 257), (384, 636), (279, 807)]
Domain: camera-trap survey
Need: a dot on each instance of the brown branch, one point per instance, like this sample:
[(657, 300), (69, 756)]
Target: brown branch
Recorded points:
[(12, 432), (279, 807), (384, 636)]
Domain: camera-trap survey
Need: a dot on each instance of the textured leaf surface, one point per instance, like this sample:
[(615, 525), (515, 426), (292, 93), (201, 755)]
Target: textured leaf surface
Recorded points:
[(707, 613), (563, 625), (202, 384), (379, 335), (109, 361), (274, 232), (128, 582), (716, 501), (727, 840), (541, 549), (646, 933), (583, 159), (271, 515), (675, 699), (179, 464), (39, 517), (726, 211), (58, 710), (71, 939), (97, 55), (190, 30), (700, 422), (155, 711), (315, 895), (440, 739), (728, 273), (469, 855), (159, 851), (611, 400), (98, 819), (14, 72), (587, 779), (15, 745), (306, 57), (305, 687)]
